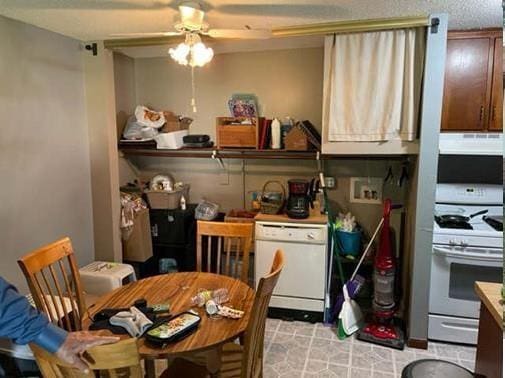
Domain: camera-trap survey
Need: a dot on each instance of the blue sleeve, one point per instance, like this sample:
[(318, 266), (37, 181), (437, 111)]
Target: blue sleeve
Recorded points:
[(22, 323)]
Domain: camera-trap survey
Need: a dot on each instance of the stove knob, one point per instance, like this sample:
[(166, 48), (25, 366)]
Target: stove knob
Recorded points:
[(452, 242), (463, 243)]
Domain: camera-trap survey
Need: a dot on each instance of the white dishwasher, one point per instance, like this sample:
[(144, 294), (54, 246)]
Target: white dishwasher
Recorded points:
[(301, 288)]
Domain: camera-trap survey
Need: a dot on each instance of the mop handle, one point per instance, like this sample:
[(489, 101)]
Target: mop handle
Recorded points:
[(367, 248)]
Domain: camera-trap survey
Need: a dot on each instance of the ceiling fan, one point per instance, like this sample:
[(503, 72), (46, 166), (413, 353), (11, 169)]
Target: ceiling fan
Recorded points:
[(191, 21)]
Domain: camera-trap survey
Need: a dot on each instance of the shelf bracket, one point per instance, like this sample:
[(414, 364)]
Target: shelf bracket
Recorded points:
[(218, 159)]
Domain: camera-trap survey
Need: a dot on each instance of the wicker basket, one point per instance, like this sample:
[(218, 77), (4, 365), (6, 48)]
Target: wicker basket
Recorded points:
[(272, 206)]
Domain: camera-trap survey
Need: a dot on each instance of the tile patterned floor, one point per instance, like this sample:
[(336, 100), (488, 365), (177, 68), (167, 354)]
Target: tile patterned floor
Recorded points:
[(297, 349)]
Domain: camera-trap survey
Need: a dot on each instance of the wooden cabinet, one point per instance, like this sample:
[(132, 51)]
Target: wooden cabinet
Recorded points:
[(496, 110), (473, 90)]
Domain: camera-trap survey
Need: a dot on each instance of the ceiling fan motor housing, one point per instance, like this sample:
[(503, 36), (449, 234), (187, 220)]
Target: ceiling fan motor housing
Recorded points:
[(191, 17)]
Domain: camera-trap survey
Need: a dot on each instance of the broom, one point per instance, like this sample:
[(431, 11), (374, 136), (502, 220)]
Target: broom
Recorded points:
[(355, 282)]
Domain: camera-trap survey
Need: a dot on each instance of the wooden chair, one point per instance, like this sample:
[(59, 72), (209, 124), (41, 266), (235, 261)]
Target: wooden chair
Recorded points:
[(241, 361), (54, 282), (229, 254), (112, 360)]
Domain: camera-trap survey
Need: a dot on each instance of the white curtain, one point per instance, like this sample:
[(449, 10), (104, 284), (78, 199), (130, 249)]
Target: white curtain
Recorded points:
[(372, 85)]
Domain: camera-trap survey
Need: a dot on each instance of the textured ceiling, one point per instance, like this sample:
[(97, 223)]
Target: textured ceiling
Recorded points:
[(97, 19)]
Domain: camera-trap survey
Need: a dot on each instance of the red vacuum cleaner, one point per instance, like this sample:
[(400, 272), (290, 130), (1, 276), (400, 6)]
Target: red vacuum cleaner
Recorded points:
[(383, 330)]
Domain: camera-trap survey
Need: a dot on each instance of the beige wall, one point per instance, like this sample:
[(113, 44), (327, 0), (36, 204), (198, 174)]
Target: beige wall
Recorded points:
[(124, 87), (101, 110), (45, 188), (286, 82)]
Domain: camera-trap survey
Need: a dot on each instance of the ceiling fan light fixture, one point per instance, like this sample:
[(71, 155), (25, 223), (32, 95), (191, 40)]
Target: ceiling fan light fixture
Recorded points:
[(180, 53), (192, 51)]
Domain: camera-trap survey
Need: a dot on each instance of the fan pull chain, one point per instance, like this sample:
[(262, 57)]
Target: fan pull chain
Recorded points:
[(193, 90)]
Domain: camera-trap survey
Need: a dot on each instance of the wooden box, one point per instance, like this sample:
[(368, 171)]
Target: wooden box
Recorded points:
[(230, 133), (296, 140)]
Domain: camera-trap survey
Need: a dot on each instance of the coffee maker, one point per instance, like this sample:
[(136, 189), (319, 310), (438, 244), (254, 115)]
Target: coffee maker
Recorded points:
[(299, 199)]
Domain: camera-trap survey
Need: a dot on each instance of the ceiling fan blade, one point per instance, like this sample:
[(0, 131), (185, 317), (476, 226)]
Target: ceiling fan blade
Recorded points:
[(146, 34), (283, 10), (240, 33)]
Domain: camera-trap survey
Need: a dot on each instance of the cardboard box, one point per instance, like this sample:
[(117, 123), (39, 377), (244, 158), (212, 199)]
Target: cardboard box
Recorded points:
[(139, 246), (173, 123)]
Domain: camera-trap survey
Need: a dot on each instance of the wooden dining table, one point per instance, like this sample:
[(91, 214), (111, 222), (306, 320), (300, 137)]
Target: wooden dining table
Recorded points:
[(177, 289)]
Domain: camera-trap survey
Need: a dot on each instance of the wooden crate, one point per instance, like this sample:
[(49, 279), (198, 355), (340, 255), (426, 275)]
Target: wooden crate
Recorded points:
[(229, 135)]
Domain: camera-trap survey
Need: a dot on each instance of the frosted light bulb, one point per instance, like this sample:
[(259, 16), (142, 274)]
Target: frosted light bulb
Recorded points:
[(200, 55), (180, 53)]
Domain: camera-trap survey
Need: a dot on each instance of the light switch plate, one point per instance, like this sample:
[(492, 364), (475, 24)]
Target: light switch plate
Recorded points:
[(329, 182)]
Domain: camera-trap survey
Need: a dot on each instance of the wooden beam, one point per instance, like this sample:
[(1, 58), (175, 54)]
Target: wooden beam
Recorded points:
[(346, 26)]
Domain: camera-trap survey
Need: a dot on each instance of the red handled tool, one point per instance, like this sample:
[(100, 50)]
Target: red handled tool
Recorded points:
[(382, 330)]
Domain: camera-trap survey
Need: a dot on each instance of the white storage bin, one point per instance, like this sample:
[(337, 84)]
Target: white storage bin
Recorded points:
[(100, 277), (171, 141)]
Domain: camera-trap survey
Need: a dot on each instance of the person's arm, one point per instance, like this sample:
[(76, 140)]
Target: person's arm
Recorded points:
[(24, 324), (21, 322)]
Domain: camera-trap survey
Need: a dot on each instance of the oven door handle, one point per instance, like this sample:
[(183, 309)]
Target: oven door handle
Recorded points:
[(466, 256)]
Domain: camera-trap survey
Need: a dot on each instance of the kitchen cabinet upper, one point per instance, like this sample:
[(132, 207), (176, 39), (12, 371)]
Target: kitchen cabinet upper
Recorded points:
[(473, 90)]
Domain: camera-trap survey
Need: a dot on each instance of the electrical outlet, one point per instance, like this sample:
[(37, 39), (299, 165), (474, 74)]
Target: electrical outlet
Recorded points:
[(329, 182)]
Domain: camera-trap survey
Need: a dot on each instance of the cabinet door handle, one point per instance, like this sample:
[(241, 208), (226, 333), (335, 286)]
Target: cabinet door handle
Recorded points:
[(481, 116)]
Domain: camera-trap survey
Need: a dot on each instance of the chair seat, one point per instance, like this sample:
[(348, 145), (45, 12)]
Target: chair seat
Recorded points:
[(231, 365)]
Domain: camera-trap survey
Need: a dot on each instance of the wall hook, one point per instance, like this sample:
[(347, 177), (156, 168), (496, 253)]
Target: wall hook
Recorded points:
[(93, 47), (218, 159)]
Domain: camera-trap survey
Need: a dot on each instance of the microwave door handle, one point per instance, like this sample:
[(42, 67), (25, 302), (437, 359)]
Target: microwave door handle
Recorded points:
[(465, 256)]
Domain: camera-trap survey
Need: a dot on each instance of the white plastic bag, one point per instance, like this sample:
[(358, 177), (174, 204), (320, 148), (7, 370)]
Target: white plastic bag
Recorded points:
[(135, 131), (149, 118)]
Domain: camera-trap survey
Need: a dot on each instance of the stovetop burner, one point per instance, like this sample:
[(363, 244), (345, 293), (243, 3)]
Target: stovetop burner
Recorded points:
[(495, 221), (453, 224)]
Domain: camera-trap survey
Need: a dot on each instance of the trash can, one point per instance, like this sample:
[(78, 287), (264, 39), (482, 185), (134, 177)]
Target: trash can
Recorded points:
[(349, 242)]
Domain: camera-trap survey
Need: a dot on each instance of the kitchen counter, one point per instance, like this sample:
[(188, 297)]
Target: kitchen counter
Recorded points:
[(315, 217), (490, 340), (490, 296)]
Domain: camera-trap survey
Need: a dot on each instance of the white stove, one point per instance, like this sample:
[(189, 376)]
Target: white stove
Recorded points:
[(463, 252), (481, 234)]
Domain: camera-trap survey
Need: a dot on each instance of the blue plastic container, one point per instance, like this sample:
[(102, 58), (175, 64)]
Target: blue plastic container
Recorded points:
[(167, 265), (349, 243)]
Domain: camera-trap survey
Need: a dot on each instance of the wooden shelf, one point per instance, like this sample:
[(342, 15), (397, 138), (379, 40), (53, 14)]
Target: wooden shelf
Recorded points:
[(138, 149)]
